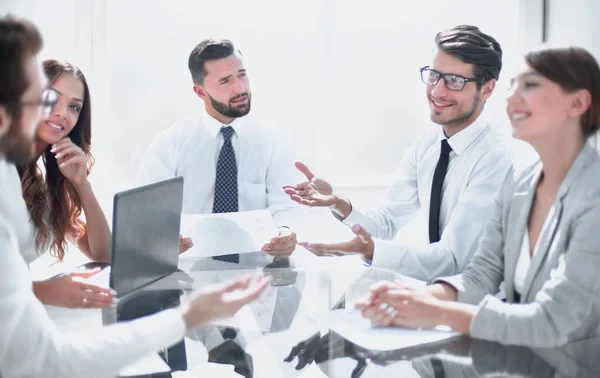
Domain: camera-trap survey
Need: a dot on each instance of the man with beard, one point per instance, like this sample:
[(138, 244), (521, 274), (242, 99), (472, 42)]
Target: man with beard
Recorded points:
[(30, 343), (228, 161), (445, 186)]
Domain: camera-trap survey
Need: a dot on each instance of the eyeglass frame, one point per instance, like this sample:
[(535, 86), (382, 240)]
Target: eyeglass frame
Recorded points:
[(46, 101), (476, 79)]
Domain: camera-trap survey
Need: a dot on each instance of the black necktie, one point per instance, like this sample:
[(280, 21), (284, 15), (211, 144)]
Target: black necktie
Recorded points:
[(226, 188), (436, 192)]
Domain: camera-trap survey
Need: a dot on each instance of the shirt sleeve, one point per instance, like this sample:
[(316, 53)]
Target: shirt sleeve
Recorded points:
[(32, 346), (281, 171), (462, 233), (159, 162), (400, 205)]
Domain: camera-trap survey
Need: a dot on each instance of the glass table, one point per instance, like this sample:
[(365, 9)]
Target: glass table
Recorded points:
[(278, 335)]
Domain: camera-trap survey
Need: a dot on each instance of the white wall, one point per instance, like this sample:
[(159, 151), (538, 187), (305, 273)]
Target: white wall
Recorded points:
[(575, 22), (340, 76)]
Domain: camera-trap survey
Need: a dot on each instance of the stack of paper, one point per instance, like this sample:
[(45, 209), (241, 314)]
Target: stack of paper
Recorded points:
[(227, 233)]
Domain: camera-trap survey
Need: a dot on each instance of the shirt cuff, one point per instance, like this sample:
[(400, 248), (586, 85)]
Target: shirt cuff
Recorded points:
[(169, 328), (355, 217), (386, 254)]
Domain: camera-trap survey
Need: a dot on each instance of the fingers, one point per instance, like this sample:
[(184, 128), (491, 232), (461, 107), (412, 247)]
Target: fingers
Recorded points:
[(73, 160), (395, 295), (251, 293), (304, 169), (95, 296), (185, 244), (284, 236), (380, 314), (241, 283), (332, 249), (381, 287), (90, 287), (362, 234), (360, 305), (303, 201), (369, 310), (64, 142), (293, 189), (282, 245), (385, 318), (68, 150), (86, 273), (96, 300)]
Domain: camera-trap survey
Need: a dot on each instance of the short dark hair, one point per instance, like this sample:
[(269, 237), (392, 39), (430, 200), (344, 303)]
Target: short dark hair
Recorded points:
[(209, 49), (19, 40), (573, 68), (471, 45)]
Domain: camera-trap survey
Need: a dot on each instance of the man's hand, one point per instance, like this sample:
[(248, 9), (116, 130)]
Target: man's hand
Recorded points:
[(361, 244), (314, 192), (184, 244), (283, 244), (221, 301), (73, 291)]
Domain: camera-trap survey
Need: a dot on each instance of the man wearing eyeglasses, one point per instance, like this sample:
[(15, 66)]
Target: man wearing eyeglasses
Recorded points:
[(444, 189)]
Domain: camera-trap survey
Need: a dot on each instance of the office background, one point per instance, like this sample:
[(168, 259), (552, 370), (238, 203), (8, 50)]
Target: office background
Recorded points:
[(340, 76)]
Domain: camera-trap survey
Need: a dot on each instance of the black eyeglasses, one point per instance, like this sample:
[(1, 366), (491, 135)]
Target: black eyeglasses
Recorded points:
[(46, 102), (451, 81)]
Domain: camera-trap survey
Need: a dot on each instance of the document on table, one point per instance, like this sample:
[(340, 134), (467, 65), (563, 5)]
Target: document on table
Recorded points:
[(226, 233), (351, 325)]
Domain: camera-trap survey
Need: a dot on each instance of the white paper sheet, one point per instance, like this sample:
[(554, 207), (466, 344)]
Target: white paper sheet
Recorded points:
[(351, 325), (222, 234)]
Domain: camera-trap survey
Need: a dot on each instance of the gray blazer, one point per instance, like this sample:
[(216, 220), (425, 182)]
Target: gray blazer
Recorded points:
[(560, 302)]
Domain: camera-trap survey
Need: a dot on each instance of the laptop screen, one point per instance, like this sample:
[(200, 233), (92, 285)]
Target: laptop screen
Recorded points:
[(145, 234)]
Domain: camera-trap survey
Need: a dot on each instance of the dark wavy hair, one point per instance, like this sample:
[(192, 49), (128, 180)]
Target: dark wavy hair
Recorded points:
[(52, 201)]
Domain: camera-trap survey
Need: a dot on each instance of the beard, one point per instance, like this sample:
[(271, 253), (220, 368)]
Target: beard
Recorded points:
[(229, 110), (17, 148), (466, 115)]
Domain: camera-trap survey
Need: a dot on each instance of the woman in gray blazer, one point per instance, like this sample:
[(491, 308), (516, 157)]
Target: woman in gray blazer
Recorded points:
[(543, 241)]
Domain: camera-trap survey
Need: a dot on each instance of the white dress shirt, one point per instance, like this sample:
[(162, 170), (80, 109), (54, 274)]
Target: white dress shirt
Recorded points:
[(479, 161), (524, 261), (523, 264), (30, 343), (10, 185), (191, 147)]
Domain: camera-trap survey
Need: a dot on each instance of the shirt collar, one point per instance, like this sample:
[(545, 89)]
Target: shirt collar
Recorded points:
[(214, 126), (464, 138)]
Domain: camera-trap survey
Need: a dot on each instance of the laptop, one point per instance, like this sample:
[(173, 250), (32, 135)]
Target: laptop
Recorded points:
[(145, 236)]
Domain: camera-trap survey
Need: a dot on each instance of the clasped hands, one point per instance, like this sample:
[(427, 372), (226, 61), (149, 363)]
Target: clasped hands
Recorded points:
[(396, 304)]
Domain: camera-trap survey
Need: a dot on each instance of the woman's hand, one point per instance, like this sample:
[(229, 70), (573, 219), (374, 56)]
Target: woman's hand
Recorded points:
[(71, 161), (74, 291), (403, 306)]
